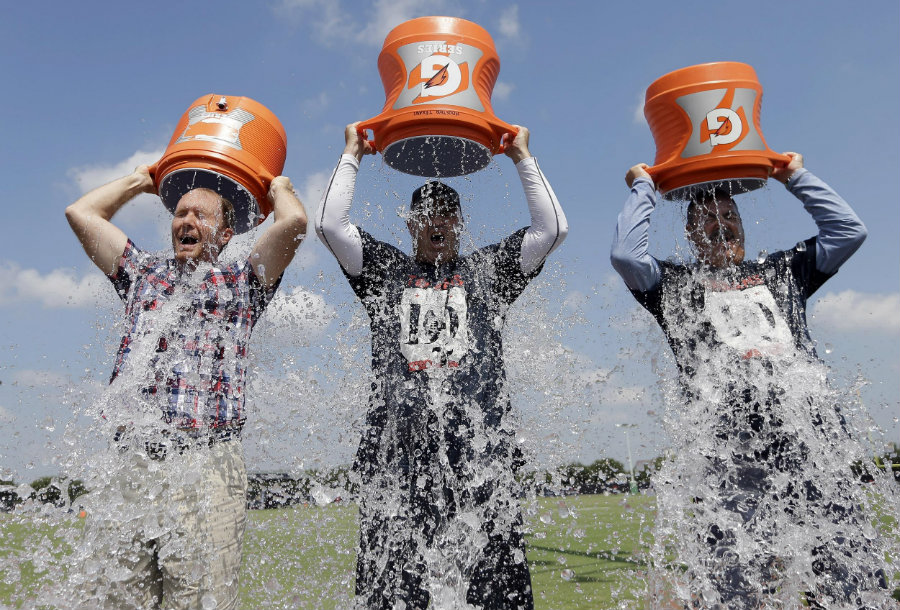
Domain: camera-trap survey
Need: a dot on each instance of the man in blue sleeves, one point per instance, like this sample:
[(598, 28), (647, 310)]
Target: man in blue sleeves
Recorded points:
[(754, 415)]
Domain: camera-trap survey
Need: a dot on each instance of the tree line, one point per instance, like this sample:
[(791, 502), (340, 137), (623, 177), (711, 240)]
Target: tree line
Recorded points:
[(268, 490)]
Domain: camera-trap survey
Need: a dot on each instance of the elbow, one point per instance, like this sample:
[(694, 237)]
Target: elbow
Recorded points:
[(562, 233), (860, 234), (72, 215), (619, 257)]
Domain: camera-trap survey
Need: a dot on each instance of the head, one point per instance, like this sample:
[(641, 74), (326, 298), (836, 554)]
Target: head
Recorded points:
[(202, 226), (434, 223), (715, 229)]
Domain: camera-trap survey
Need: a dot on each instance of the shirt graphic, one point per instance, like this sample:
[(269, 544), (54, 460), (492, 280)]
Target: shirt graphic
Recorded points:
[(433, 325), (749, 321)]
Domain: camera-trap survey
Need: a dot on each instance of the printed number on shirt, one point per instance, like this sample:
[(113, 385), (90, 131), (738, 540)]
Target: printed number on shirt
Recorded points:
[(433, 329), (750, 322)]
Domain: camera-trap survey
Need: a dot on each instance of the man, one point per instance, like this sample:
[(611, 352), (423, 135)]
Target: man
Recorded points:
[(757, 432), (438, 508), (168, 527)]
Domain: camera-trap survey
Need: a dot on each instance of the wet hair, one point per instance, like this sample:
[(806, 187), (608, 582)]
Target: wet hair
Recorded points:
[(704, 196), (430, 195), (228, 213)]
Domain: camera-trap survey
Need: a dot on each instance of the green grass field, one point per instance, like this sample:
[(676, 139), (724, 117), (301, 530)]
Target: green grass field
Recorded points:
[(584, 552)]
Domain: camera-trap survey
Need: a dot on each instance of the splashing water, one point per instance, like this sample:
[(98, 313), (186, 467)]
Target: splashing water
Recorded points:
[(760, 503)]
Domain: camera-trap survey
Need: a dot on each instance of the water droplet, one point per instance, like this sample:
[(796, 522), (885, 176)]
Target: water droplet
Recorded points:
[(762, 256), (829, 348), (567, 574)]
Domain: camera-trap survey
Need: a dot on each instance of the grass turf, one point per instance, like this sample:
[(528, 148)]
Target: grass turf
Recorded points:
[(584, 552)]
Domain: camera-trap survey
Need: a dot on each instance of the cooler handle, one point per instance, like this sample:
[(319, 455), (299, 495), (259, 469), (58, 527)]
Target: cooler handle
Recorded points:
[(505, 134)]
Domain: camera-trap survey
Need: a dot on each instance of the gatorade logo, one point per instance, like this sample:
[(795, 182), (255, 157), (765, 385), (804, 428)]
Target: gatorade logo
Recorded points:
[(719, 120), (215, 126), (444, 76), (724, 126), (438, 76)]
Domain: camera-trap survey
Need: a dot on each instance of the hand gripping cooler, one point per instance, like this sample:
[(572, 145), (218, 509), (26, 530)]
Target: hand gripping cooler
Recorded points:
[(705, 122), (234, 146), (438, 75)]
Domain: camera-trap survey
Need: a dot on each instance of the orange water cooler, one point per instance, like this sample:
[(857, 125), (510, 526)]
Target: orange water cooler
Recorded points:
[(705, 122), (438, 74), (232, 145)]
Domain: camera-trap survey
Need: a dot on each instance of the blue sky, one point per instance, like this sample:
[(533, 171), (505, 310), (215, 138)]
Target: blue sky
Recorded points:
[(91, 89)]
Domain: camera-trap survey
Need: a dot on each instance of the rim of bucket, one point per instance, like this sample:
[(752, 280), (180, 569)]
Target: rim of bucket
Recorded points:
[(175, 184), (713, 71), (734, 186), (437, 156), (411, 28)]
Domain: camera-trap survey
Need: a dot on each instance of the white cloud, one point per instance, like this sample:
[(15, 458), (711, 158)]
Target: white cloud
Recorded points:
[(143, 208), (859, 311), (502, 91), (89, 177), (60, 288), (311, 191), (333, 24), (316, 105), (637, 113), (508, 25)]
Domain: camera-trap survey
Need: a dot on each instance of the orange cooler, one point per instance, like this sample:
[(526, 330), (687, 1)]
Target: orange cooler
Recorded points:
[(438, 75), (705, 122), (232, 145)]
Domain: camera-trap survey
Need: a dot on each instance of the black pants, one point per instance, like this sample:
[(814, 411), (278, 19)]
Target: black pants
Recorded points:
[(765, 476), (405, 519)]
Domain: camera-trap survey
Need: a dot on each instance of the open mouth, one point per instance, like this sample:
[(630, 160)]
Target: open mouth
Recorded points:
[(188, 240), (437, 239)]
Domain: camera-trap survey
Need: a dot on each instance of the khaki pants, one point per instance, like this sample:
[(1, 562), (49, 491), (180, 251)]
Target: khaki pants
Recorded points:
[(166, 533)]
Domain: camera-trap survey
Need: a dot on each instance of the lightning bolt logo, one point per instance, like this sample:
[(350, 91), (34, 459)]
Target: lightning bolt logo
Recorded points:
[(438, 79)]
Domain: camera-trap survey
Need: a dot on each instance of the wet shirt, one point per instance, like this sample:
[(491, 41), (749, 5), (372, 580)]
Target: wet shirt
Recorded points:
[(187, 336), (437, 349), (753, 310)]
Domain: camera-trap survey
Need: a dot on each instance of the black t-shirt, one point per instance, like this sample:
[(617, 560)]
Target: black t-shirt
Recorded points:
[(753, 310), (437, 351)]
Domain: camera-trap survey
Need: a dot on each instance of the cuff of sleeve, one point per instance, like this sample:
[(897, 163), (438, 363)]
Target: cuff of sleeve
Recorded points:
[(643, 180), (792, 181), (350, 159), (526, 164)]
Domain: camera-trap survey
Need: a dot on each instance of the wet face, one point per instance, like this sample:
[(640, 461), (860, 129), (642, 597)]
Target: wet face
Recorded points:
[(199, 231), (435, 234), (716, 231)]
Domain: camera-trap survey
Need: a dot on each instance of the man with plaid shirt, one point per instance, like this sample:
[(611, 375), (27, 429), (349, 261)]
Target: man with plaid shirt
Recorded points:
[(168, 526)]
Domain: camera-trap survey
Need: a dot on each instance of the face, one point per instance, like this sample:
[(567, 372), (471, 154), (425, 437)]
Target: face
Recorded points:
[(198, 228), (716, 230), (435, 235)]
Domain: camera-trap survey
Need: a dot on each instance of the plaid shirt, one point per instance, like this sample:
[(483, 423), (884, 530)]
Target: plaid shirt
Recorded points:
[(187, 336)]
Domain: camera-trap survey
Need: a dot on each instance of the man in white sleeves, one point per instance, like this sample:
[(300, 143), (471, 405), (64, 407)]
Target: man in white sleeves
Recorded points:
[(437, 460)]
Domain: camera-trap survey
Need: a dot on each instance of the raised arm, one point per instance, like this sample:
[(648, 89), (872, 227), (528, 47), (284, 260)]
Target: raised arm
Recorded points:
[(332, 220), (841, 232), (90, 217), (275, 249), (630, 255), (548, 222)]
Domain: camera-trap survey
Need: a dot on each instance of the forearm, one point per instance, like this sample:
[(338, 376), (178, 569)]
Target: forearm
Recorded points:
[(332, 220), (90, 218), (841, 232), (549, 226), (630, 254), (276, 248)]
